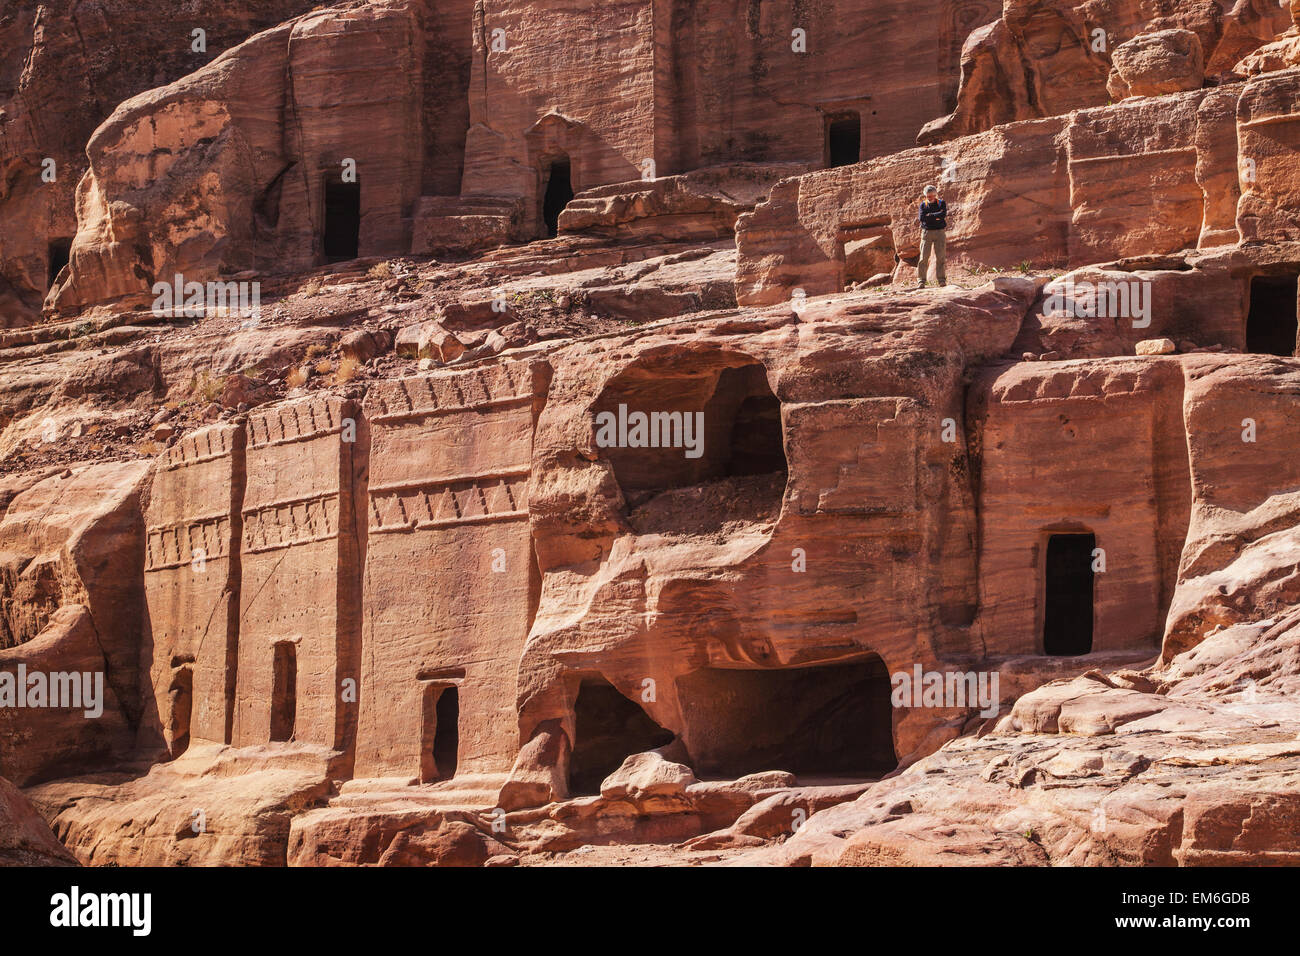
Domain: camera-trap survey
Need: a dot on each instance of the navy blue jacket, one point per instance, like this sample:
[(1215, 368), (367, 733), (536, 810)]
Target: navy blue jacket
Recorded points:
[(933, 215)]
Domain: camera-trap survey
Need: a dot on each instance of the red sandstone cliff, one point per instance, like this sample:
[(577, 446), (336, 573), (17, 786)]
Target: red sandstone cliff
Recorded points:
[(383, 574)]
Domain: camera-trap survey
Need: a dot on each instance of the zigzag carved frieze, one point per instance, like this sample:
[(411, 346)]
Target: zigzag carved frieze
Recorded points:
[(173, 546), (447, 502), (208, 444), (492, 388), (288, 523), (293, 422)]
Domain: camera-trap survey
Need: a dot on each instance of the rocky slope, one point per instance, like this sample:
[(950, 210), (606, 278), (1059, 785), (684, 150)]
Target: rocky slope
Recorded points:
[(64, 67), (1190, 764)]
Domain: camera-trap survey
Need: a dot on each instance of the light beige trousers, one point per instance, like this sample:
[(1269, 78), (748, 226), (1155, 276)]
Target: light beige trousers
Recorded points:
[(933, 240)]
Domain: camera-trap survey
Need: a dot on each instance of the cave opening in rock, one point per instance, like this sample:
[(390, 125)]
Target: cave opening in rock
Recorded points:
[(868, 252), (732, 468), (58, 254), (756, 447), (284, 691), (441, 744), (341, 234), (843, 139), (833, 720), (181, 700), (558, 194), (609, 728), (1271, 323), (1067, 594)]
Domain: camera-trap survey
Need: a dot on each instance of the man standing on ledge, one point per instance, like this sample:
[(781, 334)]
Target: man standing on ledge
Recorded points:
[(933, 219)]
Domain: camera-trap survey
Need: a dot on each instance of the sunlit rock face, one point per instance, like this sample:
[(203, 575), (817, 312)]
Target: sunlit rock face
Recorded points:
[(590, 471)]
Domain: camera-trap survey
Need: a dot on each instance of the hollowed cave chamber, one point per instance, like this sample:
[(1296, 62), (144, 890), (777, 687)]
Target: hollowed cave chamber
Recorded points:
[(834, 720), (732, 471)]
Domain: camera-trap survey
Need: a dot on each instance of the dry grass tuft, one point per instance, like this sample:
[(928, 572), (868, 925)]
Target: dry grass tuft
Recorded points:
[(346, 371)]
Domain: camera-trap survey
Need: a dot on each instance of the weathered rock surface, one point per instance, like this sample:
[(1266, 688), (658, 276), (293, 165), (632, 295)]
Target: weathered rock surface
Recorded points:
[(206, 808), (1167, 61), (1198, 768), (347, 837), (221, 130), (1136, 179), (647, 775), (700, 205), (1046, 58), (25, 840), (63, 69), (71, 607)]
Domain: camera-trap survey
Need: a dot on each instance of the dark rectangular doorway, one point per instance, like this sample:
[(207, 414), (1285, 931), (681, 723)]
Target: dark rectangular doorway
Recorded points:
[(440, 746), (1067, 594), (59, 252), (559, 192), (341, 232), (284, 691), (1271, 324), (843, 139)]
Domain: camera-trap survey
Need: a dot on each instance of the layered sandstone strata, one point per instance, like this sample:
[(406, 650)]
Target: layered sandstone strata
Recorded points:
[(1139, 178), (71, 547), (467, 564), (571, 541), (1040, 58), (63, 69)]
